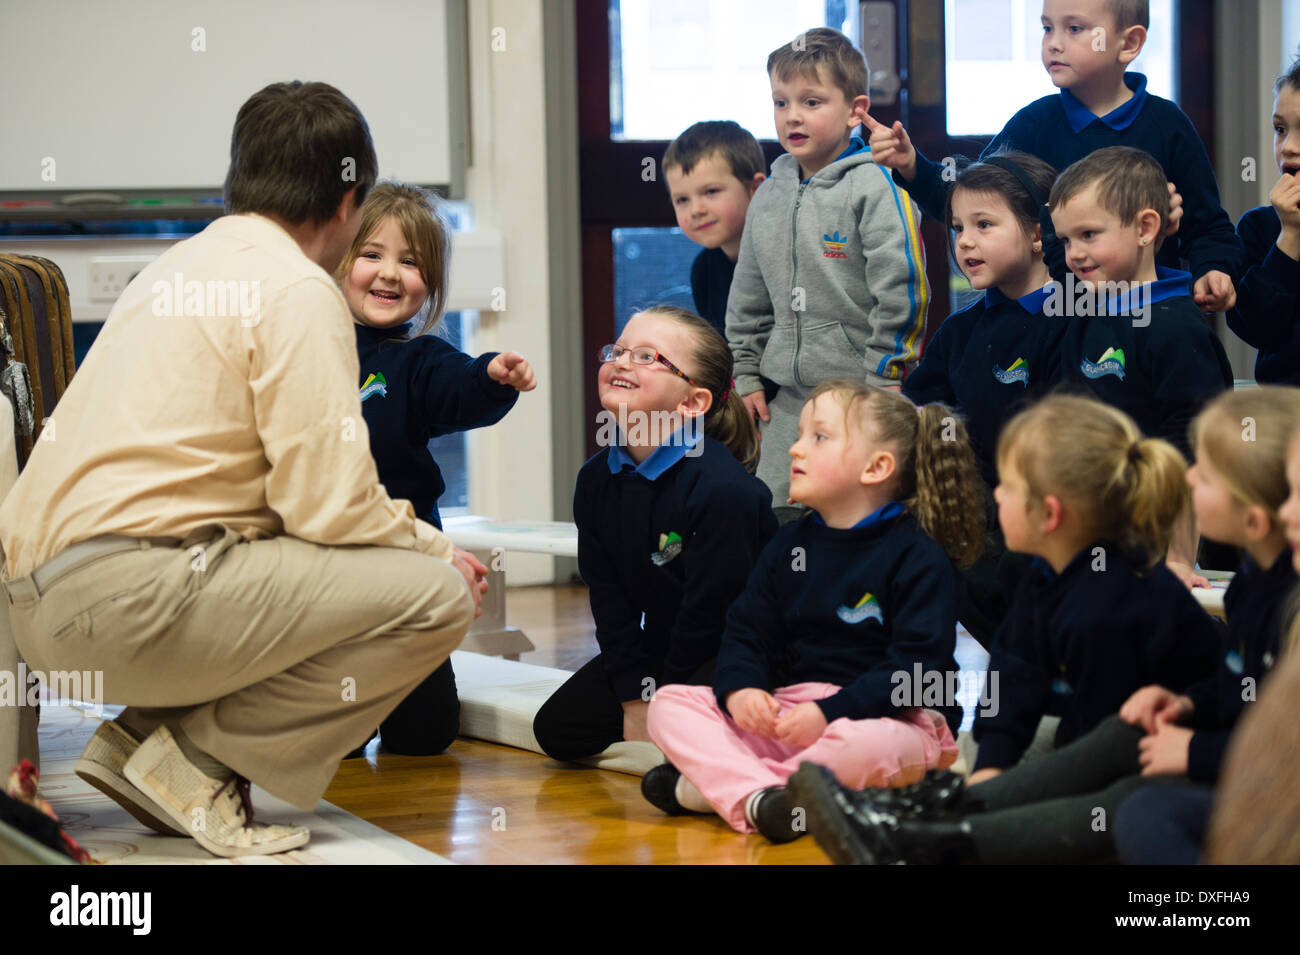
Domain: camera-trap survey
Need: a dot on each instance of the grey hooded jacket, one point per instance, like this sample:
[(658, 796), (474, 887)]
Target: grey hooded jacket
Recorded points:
[(830, 281)]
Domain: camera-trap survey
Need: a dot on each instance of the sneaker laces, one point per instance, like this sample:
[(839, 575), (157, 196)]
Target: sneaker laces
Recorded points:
[(243, 789)]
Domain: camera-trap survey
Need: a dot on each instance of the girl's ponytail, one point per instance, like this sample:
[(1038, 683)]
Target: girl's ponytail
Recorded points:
[(733, 425), (949, 501), (1156, 493)]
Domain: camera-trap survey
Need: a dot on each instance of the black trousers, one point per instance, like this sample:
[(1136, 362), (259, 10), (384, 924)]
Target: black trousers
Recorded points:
[(584, 715), (1164, 826), (1061, 808), (425, 723)]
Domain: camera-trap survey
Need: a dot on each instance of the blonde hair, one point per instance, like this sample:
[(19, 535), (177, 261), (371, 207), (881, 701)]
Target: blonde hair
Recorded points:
[(419, 215), (1127, 488), (727, 421), (936, 478), (1245, 436)]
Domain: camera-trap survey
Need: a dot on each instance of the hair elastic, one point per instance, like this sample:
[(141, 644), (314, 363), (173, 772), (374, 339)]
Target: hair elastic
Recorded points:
[(727, 394), (1134, 452), (1036, 194)]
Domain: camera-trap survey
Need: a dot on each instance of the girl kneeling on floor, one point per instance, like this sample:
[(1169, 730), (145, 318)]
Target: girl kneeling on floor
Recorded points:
[(670, 520), (848, 617)]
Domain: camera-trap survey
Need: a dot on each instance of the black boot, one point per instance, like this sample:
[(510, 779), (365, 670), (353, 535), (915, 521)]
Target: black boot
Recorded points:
[(854, 831), (938, 795)]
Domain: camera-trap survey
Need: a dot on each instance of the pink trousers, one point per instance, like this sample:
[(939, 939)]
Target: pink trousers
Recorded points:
[(727, 764)]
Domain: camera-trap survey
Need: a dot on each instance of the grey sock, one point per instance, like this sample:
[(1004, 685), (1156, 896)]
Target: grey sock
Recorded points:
[(209, 765)]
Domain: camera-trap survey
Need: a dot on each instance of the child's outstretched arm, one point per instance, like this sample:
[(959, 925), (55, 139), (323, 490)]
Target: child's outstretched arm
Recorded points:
[(749, 319), (889, 230), (450, 391)]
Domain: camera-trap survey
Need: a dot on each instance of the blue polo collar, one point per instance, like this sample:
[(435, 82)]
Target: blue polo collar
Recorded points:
[(888, 512), (1169, 283), (1031, 303), (1121, 117), (660, 460)]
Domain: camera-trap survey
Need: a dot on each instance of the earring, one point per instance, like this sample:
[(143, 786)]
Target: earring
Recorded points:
[(1144, 241)]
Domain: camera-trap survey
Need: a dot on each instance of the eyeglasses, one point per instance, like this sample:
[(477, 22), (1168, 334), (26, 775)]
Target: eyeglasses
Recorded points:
[(643, 356)]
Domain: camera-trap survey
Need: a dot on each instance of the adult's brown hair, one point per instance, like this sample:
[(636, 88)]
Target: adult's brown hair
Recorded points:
[(296, 150)]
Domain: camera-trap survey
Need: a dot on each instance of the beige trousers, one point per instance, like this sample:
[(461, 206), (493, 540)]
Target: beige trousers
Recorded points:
[(275, 656)]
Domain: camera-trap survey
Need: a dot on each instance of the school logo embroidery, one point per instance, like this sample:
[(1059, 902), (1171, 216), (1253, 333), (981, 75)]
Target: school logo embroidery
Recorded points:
[(375, 385), (670, 545), (833, 245), (868, 608), (1111, 362), (1017, 372), (1061, 686)]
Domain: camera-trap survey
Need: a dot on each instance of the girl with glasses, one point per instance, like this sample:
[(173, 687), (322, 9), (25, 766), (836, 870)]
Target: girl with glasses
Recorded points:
[(670, 521)]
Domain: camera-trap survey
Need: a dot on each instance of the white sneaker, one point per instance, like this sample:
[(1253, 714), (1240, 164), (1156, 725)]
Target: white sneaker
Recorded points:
[(101, 765), (218, 815)]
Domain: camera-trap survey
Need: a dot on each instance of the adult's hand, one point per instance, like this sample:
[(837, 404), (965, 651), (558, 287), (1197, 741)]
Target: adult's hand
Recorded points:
[(475, 574)]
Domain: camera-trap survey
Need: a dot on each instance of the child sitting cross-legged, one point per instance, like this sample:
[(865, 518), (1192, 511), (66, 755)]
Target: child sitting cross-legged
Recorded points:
[(841, 602)]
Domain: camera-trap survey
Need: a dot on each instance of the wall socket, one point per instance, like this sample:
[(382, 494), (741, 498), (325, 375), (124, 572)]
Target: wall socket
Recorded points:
[(109, 275)]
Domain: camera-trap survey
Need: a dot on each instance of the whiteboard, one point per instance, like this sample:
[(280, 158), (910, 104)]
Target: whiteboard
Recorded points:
[(142, 94)]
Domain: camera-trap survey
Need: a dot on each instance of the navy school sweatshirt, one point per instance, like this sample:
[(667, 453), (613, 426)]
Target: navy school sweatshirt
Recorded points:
[(986, 362), (1078, 644), (1160, 374), (1060, 130), (414, 391), (673, 539), (711, 275), (1255, 605), (1267, 313), (853, 607)]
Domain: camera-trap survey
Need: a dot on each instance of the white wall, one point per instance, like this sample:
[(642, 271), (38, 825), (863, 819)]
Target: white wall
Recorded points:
[(511, 464)]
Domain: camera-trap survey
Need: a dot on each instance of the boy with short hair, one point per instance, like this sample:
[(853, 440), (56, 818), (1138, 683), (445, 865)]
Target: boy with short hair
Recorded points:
[(830, 282), (1268, 299), (1087, 44), (1138, 342), (712, 170)]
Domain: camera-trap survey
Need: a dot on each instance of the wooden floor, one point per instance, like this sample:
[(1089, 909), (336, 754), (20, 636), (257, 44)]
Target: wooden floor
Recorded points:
[(483, 803)]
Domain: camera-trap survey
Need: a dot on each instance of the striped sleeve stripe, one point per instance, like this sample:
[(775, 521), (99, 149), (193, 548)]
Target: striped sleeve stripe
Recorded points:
[(918, 293)]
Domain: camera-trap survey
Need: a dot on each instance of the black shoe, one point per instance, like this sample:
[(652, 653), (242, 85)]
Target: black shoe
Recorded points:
[(773, 814), (854, 832), (659, 786)]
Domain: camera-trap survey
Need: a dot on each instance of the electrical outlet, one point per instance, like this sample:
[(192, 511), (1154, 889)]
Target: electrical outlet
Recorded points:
[(109, 275)]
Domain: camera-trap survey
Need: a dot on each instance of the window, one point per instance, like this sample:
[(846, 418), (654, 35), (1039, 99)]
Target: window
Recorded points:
[(995, 67), (651, 267), (677, 62)]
